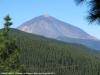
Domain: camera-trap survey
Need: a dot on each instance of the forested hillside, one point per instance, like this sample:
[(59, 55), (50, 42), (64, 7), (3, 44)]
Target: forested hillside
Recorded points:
[(39, 54)]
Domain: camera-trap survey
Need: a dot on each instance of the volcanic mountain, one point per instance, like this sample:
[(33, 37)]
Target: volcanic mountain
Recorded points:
[(51, 27)]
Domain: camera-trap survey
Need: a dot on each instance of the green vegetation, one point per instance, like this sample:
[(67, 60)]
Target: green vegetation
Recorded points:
[(44, 55), (40, 54), (9, 52)]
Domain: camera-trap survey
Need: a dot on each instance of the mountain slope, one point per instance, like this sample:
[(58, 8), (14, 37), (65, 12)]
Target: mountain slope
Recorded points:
[(51, 27), (40, 54)]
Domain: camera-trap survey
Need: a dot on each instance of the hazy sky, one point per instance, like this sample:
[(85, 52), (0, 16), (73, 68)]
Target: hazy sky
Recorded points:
[(65, 10)]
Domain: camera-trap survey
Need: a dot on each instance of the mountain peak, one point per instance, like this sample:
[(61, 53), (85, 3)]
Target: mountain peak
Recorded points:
[(51, 27), (46, 14)]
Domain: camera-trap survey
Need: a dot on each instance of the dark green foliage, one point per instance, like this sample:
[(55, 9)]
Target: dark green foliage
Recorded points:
[(94, 10), (9, 52), (39, 54), (7, 24)]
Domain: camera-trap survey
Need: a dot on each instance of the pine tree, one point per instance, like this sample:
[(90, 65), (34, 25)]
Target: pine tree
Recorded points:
[(9, 52), (94, 9)]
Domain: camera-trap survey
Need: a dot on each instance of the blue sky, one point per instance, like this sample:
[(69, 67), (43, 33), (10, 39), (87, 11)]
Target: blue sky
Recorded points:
[(65, 10)]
